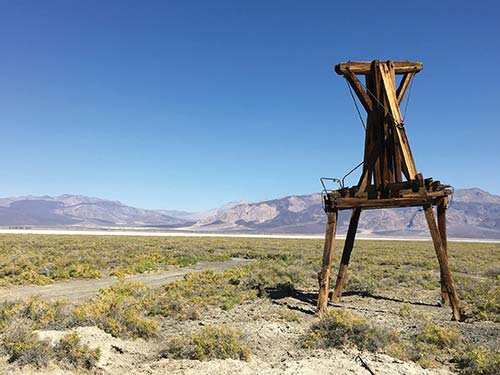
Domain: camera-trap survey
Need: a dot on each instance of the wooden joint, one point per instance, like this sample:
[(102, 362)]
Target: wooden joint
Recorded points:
[(363, 67)]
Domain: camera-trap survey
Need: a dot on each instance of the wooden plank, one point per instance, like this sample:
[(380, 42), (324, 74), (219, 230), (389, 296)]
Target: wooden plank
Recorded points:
[(398, 173), (346, 254), (443, 262), (365, 203), (388, 145), (380, 203), (363, 67), (324, 274), (377, 130), (441, 221), (366, 175), (395, 114), (403, 85), (359, 90)]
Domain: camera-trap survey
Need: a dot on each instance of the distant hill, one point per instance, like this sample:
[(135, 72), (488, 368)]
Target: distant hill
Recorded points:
[(473, 213), (78, 210)]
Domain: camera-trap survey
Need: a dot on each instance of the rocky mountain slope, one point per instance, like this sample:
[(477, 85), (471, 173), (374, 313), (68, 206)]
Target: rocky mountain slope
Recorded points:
[(473, 213), (77, 210)]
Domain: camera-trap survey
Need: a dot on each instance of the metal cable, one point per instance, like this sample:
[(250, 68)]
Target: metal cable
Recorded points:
[(355, 104), (378, 101), (408, 96), (348, 173)]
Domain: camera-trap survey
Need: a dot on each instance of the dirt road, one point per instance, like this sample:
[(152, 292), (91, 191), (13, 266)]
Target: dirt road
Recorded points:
[(81, 289)]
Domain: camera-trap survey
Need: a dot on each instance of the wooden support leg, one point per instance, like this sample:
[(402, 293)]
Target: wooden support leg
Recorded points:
[(443, 261), (346, 254), (441, 221), (324, 274)]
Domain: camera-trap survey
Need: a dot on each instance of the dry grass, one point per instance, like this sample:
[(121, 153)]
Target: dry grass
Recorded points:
[(134, 310)]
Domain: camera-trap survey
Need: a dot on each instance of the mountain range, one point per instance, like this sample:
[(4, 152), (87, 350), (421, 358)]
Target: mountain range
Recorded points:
[(473, 213)]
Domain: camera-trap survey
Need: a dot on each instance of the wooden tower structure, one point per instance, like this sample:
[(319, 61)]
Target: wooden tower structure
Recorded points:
[(389, 176)]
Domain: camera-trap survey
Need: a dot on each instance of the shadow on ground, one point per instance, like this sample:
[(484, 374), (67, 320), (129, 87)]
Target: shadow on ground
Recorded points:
[(311, 298)]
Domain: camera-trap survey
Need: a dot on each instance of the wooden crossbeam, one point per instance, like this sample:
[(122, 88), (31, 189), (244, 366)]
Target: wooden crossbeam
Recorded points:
[(403, 85), (346, 204), (363, 67), (359, 90)]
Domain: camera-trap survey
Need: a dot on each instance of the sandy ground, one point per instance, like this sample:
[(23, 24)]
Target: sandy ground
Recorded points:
[(75, 290), (154, 233), (273, 337), (275, 344)]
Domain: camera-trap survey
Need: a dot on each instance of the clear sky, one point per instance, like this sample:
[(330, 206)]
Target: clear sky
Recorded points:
[(191, 104)]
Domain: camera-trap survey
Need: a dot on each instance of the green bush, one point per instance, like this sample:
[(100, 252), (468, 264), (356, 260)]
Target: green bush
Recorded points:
[(23, 346), (439, 336), (42, 314), (184, 299), (406, 311), (478, 361), (481, 299), (341, 328), (434, 341), (211, 342), (77, 271), (27, 278), (72, 352), (275, 274), (120, 310)]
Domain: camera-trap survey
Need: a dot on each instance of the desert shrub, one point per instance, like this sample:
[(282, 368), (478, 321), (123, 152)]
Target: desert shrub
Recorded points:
[(341, 328), (481, 299), (41, 314), (76, 271), (478, 361), (432, 342), (38, 259), (28, 277), (264, 275), (184, 299), (210, 342), (439, 336), (23, 346), (120, 310), (362, 282), (7, 313), (69, 350), (288, 315), (406, 311)]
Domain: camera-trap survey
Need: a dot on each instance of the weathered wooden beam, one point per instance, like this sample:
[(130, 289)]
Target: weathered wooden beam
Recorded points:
[(363, 67), (366, 203), (346, 254), (359, 90), (326, 267), (403, 85), (441, 221), (443, 262), (388, 142), (395, 114), (378, 119)]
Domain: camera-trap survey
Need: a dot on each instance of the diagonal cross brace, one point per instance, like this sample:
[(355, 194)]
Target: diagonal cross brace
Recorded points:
[(397, 120)]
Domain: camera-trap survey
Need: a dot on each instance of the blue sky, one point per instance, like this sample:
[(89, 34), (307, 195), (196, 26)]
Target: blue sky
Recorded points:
[(188, 105)]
